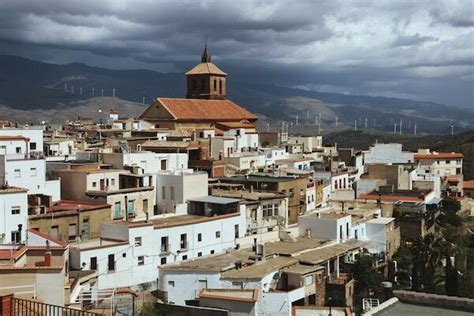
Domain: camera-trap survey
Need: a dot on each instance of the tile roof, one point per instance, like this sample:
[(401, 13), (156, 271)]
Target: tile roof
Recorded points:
[(469, 184), (11, 138), (439, 156), (208, 110), (206, 68)]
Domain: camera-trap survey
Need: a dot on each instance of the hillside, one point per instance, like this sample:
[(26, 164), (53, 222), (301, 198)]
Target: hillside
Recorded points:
[(463, 142), (30, 85)]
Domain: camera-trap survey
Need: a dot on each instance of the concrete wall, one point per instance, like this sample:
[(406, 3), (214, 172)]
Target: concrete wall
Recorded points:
[(9, 222)]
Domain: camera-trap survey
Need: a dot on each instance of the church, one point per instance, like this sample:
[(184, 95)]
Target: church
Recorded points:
[(206, 105)]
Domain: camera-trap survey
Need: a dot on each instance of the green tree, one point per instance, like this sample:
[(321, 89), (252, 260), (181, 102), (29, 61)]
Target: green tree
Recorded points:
[(366, 275)]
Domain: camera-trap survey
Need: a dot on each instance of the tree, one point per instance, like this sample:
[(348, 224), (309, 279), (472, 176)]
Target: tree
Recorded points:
[(366, 275), (426, 257)]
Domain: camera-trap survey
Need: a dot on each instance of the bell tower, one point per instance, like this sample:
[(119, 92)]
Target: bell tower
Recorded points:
[(206, 80)]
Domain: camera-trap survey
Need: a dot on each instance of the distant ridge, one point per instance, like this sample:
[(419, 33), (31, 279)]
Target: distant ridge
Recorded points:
[(27, 84)]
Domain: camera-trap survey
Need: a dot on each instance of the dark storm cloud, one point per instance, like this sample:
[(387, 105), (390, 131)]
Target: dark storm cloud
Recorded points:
[(363, 47)]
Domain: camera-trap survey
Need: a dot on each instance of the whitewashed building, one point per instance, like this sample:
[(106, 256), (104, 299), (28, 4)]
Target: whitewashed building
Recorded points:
[(13, 215)]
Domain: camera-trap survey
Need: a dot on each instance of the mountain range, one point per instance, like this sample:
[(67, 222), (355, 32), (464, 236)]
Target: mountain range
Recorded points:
[(29, 88)]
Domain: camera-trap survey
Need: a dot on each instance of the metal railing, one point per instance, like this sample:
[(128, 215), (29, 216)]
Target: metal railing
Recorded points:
[(22, 307)]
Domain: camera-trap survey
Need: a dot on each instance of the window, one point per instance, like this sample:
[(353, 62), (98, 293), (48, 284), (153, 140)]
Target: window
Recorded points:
[(72, 232), (308, 280), (163, 192), (199, 254), (347, 230), (291, 193), (54, 231), (220, 86), (112, 182), (163, 165), (33, 172), (131, 207), (17, 173), (141, 260), (32, 146), (218, 234), (183, 241), (340, 231), (356, 234), (93, 263), (236, 231), (18, 150), (164, 244), (117, 210), (171, 283), (94, 184), (138, 241), (172, 193), (111, 263), (16, 236), (16, 210), (212, 252), (215, 84), (185, 257), (199, 237), (145, 205), (163, 260)]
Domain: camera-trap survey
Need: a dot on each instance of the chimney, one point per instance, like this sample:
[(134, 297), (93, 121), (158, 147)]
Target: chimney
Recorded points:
[(47, 255)]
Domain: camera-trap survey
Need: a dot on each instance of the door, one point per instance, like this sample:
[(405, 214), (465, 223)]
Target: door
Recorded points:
[(202, 285), (102, 184)]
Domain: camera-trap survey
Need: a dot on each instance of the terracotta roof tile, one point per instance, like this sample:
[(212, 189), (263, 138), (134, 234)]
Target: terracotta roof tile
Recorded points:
[(469, 184), (440, 156), (209, 110)]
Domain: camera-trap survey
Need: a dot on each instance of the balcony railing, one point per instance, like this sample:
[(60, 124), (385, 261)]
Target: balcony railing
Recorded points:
[(22, 307)]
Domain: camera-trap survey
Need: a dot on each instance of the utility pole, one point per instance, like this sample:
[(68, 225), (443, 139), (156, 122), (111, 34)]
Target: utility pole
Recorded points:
[(415, 128), (355, 126), (452, 129), (365, 122), (401, 123), (296, 120), (395, 127)]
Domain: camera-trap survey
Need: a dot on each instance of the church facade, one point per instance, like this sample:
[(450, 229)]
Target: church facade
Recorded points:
[(206, 105)]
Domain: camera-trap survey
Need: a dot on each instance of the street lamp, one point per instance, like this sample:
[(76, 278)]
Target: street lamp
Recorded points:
[(329, 303)]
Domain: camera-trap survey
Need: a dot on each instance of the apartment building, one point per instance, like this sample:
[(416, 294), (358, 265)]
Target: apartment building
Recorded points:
[(130, 253), (129, 192), (441, 164), (13, 214)]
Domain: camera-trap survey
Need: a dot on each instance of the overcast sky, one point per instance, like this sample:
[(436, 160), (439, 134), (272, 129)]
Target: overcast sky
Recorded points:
[(414, 49)]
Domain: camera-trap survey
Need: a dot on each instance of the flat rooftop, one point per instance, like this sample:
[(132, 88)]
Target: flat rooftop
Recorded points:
[(293, 247), (419, 310), (381, 220), (303, 268), (213, 263), (260, 269), (230, 294), (320, 255), (247, 195), (215, 200), (97, 243)]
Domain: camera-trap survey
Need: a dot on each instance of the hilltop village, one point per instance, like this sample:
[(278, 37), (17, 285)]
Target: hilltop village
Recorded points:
[(191, 207)]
